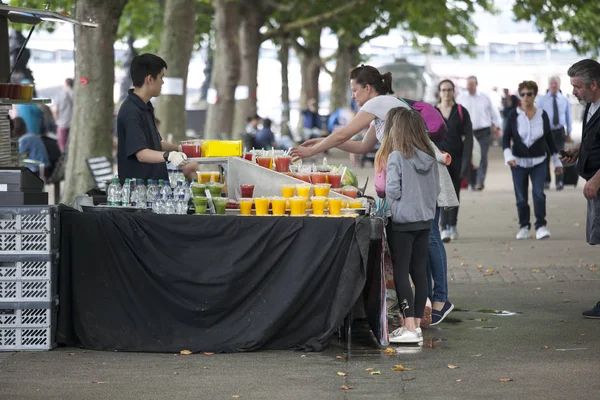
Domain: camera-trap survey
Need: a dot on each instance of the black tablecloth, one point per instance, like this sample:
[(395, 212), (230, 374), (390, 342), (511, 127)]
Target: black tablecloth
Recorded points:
[(146, 282)]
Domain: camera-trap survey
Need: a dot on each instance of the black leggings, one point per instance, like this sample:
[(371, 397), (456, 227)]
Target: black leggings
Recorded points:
[(449, 217), (409, 256)]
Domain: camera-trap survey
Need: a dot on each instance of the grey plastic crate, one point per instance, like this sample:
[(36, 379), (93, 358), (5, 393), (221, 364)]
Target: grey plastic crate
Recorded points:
[(15, 267), (18, 339), (26, 318), (36, 243), (28, 229), (17, 291), (27, 219), (28, 325)]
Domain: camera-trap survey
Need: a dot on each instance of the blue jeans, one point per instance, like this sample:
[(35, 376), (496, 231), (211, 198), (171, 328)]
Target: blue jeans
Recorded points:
[(521, 177), (437, 263)]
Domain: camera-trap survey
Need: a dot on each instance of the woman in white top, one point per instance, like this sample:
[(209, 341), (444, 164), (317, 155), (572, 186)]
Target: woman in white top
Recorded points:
[(375, 97), (526, 138)]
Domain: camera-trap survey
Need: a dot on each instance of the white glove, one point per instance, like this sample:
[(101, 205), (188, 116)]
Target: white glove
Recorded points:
[(177, 158), (180, 148)]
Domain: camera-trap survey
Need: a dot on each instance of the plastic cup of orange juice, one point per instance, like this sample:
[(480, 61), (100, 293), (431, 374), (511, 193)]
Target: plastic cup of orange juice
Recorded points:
[(246, 206), (355, 203), (204, 177), (322, 189), (215, 177), (297, 206), (278, 205), (261, 205), (318, 205), (303, 190), (335, 206), (287, 191)]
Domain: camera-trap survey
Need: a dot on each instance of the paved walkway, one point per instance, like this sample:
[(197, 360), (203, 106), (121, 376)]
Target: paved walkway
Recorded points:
[(517, 334)]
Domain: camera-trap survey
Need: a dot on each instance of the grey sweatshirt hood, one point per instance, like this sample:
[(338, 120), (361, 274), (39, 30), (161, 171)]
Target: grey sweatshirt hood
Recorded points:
[(422, 162)]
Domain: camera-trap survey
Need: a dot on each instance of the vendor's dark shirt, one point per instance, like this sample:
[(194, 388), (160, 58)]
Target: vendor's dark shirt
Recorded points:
[(589, 155), (136, 130)]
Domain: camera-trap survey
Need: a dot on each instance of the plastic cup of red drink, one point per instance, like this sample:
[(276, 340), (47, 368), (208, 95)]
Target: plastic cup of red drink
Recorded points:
[(282, 163), (247, 191), (335, 180), (318, 177)]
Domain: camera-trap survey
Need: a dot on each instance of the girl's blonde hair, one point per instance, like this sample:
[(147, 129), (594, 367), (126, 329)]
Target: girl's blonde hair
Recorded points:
[(404, 131)]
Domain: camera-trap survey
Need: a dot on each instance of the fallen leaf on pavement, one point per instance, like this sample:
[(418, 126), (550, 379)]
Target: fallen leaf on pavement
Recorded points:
[(593, 269), (506, 379), (576, 224), (185, 352), (463, 264), (480, 266), (390, 350), (208, 354), (341, 373), (375, 372), (484, 319), (582, 334), (546, 347), (476, 355), (535, 271), (99, 382), (71, 354), (340, 357), (235, 396), (452, 366), (369, 369), (538, 288), (346, 387), (459, 380), (399, 368), (566, 301)]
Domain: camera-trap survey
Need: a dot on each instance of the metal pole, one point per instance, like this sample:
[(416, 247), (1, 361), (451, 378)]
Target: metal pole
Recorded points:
[(21, 51)]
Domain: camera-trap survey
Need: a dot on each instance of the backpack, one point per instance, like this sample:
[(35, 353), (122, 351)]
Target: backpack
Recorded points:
[(434, 121)]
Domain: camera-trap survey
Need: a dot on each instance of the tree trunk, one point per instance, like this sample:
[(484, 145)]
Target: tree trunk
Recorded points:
[(252, 19), (93, 113), (176, 44), (347, 57), (310, 68), (284, 55), (219, 121)]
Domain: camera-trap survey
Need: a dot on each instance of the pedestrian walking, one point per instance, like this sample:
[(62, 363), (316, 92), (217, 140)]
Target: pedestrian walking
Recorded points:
[(558, 108), (525, 141), (585, 78), (459, 144), (485, 119)]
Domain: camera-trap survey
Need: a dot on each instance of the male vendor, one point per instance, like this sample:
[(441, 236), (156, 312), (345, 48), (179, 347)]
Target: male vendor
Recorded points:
[(142, 153)]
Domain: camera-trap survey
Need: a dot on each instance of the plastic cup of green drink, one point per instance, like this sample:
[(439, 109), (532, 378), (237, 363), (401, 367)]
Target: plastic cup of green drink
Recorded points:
[(198, 189), (200, 203), (220, 204), (215, 189)]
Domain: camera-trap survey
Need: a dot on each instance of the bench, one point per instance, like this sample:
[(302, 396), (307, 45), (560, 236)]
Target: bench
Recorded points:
[(102, 171)]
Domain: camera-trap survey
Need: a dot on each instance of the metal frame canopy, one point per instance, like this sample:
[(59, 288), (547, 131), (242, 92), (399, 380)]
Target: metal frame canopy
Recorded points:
[(32, 17)]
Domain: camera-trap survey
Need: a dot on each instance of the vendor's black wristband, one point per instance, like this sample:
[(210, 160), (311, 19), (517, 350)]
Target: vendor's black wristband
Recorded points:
[(166, 156)]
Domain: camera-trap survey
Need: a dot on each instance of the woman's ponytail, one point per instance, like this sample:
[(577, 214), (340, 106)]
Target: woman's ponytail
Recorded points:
[(387, 83)]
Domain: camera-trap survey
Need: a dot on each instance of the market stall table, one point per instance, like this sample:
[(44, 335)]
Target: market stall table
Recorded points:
[(165, 283)]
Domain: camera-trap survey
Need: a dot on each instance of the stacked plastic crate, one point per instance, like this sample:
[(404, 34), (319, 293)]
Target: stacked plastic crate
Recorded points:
[(29, 241)]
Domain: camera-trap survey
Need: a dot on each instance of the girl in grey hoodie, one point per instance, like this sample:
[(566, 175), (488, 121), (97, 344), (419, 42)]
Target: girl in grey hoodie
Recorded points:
[(412, 188)]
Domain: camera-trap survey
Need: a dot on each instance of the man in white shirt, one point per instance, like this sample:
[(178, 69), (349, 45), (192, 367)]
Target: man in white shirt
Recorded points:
[(485, 118), (558, 108)]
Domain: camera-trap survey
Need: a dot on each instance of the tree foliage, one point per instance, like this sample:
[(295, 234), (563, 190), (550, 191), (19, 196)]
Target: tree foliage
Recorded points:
[(579, 19)]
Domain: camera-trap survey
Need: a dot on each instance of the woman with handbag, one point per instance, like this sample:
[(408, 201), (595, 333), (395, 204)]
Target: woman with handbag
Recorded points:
[(459, 144)]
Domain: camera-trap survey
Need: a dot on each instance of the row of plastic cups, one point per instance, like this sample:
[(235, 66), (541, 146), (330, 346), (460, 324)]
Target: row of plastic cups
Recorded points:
[(199, 189), (201, 204), (15, 91), (208, 176), (297, 205), (319, 189), (334, 179)]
